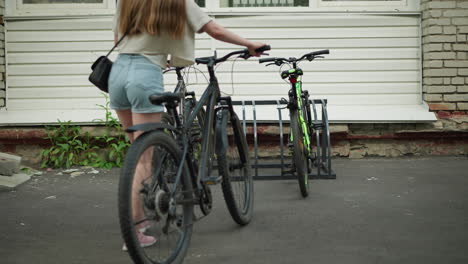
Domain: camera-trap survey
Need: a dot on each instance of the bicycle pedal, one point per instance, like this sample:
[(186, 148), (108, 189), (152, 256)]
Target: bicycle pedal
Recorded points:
[(212, 180)]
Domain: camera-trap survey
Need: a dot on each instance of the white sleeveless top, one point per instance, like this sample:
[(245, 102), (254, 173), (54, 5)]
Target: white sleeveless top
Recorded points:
[(157, 48)]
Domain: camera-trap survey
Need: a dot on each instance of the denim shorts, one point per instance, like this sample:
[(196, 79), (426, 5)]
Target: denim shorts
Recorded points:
[(132, 80)]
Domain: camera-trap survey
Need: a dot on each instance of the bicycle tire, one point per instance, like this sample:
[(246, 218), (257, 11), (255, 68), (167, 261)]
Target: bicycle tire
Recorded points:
[(234, 168), (164, 148), (299, 154)]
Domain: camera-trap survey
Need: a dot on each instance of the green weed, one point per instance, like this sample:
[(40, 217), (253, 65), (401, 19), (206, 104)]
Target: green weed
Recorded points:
[(70, 146)]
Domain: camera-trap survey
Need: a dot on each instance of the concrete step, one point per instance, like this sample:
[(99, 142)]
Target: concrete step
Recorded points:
[(9, 164), (14, 180)]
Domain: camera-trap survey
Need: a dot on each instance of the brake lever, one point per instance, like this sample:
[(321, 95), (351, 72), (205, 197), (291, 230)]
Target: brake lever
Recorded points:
[(270, 64), (244, 56)]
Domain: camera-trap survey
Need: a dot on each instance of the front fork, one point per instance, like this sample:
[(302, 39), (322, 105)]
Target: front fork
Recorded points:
[(297, 97)]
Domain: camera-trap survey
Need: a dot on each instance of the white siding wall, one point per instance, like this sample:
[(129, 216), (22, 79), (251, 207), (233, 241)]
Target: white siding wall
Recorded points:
[(374, 65)]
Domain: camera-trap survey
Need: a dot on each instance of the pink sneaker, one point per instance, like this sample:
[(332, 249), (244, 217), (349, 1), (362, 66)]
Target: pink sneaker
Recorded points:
[(142, 227), (145, 241)]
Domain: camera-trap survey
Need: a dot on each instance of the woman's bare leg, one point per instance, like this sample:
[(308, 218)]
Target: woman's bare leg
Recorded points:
[(143, 169), (126, 120)]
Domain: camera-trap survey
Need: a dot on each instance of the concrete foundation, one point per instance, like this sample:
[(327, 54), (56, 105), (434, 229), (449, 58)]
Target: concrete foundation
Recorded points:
[(448, 136)]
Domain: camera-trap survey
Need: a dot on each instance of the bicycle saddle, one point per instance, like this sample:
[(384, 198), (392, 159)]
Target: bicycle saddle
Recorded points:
[(165, 98)]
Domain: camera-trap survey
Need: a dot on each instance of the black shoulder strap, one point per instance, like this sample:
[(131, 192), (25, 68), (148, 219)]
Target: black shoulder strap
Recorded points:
[(118, 42)]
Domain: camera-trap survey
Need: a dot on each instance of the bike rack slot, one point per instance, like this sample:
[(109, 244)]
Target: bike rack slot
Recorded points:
[(322, 167)]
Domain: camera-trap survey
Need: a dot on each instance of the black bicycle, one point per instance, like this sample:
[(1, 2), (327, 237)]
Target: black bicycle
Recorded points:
[(301, 124), (168, 176)]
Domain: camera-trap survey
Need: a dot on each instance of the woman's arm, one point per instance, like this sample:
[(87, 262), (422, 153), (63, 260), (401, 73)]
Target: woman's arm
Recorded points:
[(218, 32)]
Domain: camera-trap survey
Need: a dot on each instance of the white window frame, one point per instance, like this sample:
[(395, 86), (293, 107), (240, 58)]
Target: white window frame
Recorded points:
[(396, 6), (400, 6), (351, 3), (16, 8)]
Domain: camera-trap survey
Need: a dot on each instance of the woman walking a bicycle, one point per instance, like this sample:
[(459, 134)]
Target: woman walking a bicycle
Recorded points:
[(150, 32)]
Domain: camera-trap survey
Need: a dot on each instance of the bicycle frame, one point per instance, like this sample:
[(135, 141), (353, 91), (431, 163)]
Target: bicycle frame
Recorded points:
[(211, 97)]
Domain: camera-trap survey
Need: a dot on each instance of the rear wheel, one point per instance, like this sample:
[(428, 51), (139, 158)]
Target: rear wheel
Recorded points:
[(234, 167), (146, 201), (299, 153)]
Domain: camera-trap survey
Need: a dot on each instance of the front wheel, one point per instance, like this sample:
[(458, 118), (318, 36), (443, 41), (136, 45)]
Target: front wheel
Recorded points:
[(299, 153), (234, 167), (155, 209)]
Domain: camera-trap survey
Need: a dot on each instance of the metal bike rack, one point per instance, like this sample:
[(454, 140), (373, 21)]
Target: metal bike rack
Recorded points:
[(321, 169)]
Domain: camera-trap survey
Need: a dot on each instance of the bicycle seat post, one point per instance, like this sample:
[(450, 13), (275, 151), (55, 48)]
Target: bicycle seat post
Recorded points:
[(179, 74)]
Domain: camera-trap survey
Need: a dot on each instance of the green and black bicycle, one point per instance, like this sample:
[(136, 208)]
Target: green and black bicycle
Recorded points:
[(302, 127)]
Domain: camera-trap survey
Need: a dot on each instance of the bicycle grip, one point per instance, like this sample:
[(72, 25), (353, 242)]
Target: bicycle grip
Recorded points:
[(264, 48), (320, 52), (266, 60)]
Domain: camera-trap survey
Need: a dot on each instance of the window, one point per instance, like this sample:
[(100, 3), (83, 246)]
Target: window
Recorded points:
[(371, 5), (62, 2), (263, 3), (356, 0), (45, 8)]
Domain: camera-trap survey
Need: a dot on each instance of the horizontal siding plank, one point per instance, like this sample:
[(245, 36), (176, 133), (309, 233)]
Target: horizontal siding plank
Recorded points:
[(352, 114), (225, 78), (309, 68), (56, 92), (337, 114), (315, 20), (312, 20), (47, 36), (62, 24), (341, 54), (370, 99), (278, 90), (349, 54), (321, 65), (318, 33), (274, 33), (330, 43), (57, 104), (281, 89), (78, 46), (69, 57), (310, 44), (38, 36), (93, 103)]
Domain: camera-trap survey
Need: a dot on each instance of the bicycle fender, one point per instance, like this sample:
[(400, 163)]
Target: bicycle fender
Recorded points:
[(149, 127)]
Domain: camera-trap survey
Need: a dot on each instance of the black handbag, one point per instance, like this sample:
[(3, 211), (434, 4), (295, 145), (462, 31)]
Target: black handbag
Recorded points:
[(101, 69)]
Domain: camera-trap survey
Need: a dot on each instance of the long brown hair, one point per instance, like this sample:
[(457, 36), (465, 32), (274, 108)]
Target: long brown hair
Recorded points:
[(153, 17)]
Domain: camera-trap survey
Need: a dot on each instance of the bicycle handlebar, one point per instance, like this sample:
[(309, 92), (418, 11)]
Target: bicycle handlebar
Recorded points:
[(309, 56), (212, 60)]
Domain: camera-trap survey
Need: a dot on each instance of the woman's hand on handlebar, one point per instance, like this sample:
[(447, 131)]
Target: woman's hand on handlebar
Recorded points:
[(253, 46)]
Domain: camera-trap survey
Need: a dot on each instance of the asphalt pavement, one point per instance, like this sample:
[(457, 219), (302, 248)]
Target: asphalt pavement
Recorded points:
[(406, 210)]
